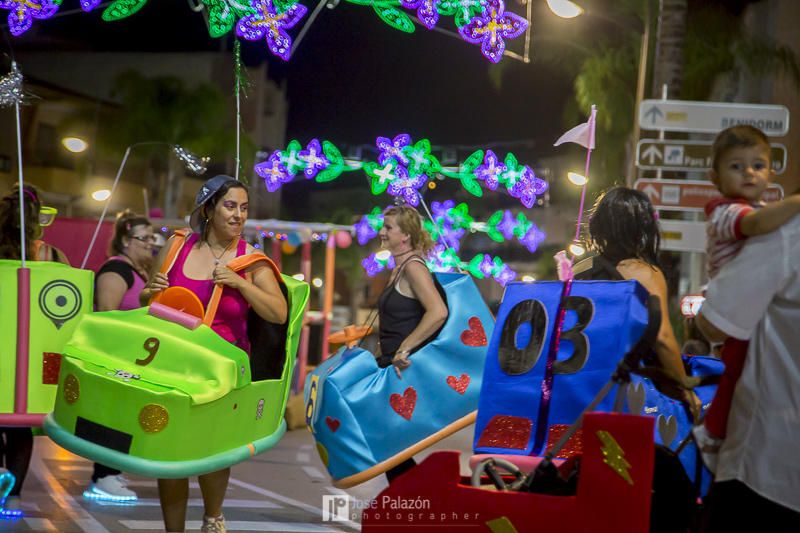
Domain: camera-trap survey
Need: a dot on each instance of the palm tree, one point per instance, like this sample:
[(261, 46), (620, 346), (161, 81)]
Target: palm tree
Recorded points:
[(670, 45)]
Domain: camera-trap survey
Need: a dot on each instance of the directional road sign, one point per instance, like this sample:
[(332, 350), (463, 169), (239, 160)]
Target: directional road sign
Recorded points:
[(687, 156), (711, 117), (689, 195), (683, 236)]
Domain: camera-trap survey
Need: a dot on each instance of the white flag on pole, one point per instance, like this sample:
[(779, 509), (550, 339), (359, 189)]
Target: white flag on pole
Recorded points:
[(582, 134)]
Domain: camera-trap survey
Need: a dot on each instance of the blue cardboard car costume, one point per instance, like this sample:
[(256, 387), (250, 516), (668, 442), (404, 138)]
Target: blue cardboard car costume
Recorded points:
[(366, 420), (534, 395)]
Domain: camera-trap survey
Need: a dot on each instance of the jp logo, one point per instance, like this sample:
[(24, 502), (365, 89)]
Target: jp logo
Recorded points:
[(60, 301)]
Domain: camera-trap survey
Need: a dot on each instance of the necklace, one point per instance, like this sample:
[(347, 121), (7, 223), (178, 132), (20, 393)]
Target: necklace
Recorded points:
[(218, 258), (396, 257)]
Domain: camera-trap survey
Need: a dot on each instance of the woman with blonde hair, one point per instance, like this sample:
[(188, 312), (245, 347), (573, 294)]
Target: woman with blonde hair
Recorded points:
[(411, 309)]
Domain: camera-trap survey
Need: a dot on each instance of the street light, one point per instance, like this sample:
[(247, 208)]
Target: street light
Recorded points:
[(564, 8), (76, 145), (576, 178), (576, 249), (101, 195), (569, 9)]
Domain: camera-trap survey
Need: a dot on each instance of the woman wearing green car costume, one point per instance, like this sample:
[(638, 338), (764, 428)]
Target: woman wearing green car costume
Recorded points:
[(217, 223), (16, 443)]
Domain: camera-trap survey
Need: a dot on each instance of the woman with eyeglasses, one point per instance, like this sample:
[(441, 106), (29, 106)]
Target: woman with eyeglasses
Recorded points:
[(117, 286), (124, 275), (16, 443)]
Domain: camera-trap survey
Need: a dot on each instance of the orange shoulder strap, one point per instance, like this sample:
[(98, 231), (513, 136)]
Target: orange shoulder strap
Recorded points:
[(179, 239), (172, 253), (240, 263)]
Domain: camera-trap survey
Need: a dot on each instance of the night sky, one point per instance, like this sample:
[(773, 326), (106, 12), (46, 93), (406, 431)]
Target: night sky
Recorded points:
[(354, 78)]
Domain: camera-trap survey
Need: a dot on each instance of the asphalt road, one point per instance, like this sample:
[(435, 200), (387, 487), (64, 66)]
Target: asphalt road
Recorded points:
[(279, 490)]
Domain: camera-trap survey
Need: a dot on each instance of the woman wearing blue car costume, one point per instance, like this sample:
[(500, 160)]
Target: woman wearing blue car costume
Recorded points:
[(411, 309), (624, 231)]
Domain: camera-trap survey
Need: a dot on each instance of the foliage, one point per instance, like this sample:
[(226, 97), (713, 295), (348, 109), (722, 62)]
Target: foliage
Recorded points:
[(716, 43), (164, 109), (608, 79)]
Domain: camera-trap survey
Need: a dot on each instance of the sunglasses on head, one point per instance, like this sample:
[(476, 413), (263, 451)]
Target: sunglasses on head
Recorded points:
[(145, 238)]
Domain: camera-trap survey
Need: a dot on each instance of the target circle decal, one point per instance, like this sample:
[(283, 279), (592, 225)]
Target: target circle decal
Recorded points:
[(60, 301)]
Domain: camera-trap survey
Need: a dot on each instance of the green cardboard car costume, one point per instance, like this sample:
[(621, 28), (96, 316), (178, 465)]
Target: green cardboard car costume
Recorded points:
[(59, 297), (168, 398)]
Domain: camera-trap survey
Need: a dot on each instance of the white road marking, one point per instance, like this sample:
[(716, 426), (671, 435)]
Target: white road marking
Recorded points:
[(77, 514), (303, 457), (40, 524), (198, 502), (154, 484), (334, 490), (234, 525), (313, 472), (289, 501), (29, 506)]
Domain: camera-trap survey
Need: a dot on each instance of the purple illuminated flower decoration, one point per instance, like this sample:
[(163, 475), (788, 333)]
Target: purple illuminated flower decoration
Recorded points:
[(505, 275), (426, 11), (393, 148), (314, 159), (486, 265), (490, 169), (528, 188), (506, 226), (371, 265), (490, 27), (22, 12), (267, 22), (533, 238), (273, 171), (364, 231), (406, 187), (440, 210), (88, 5)]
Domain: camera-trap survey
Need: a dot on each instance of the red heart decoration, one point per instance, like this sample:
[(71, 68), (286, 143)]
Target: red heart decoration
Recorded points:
[(474, 336), (333, 424), (404, 405), (459, 384)]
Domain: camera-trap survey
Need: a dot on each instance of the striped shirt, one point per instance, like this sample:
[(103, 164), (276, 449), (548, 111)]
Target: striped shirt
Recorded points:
[(724, 228)]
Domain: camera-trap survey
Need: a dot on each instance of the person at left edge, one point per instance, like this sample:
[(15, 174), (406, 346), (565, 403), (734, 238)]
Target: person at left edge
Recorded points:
[(16, 443)]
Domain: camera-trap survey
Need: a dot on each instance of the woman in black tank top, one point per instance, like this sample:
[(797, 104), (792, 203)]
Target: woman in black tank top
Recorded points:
[(411, 309)]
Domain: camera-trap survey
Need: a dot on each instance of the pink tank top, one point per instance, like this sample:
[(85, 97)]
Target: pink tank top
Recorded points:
[(230, 322), (130, 300)]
